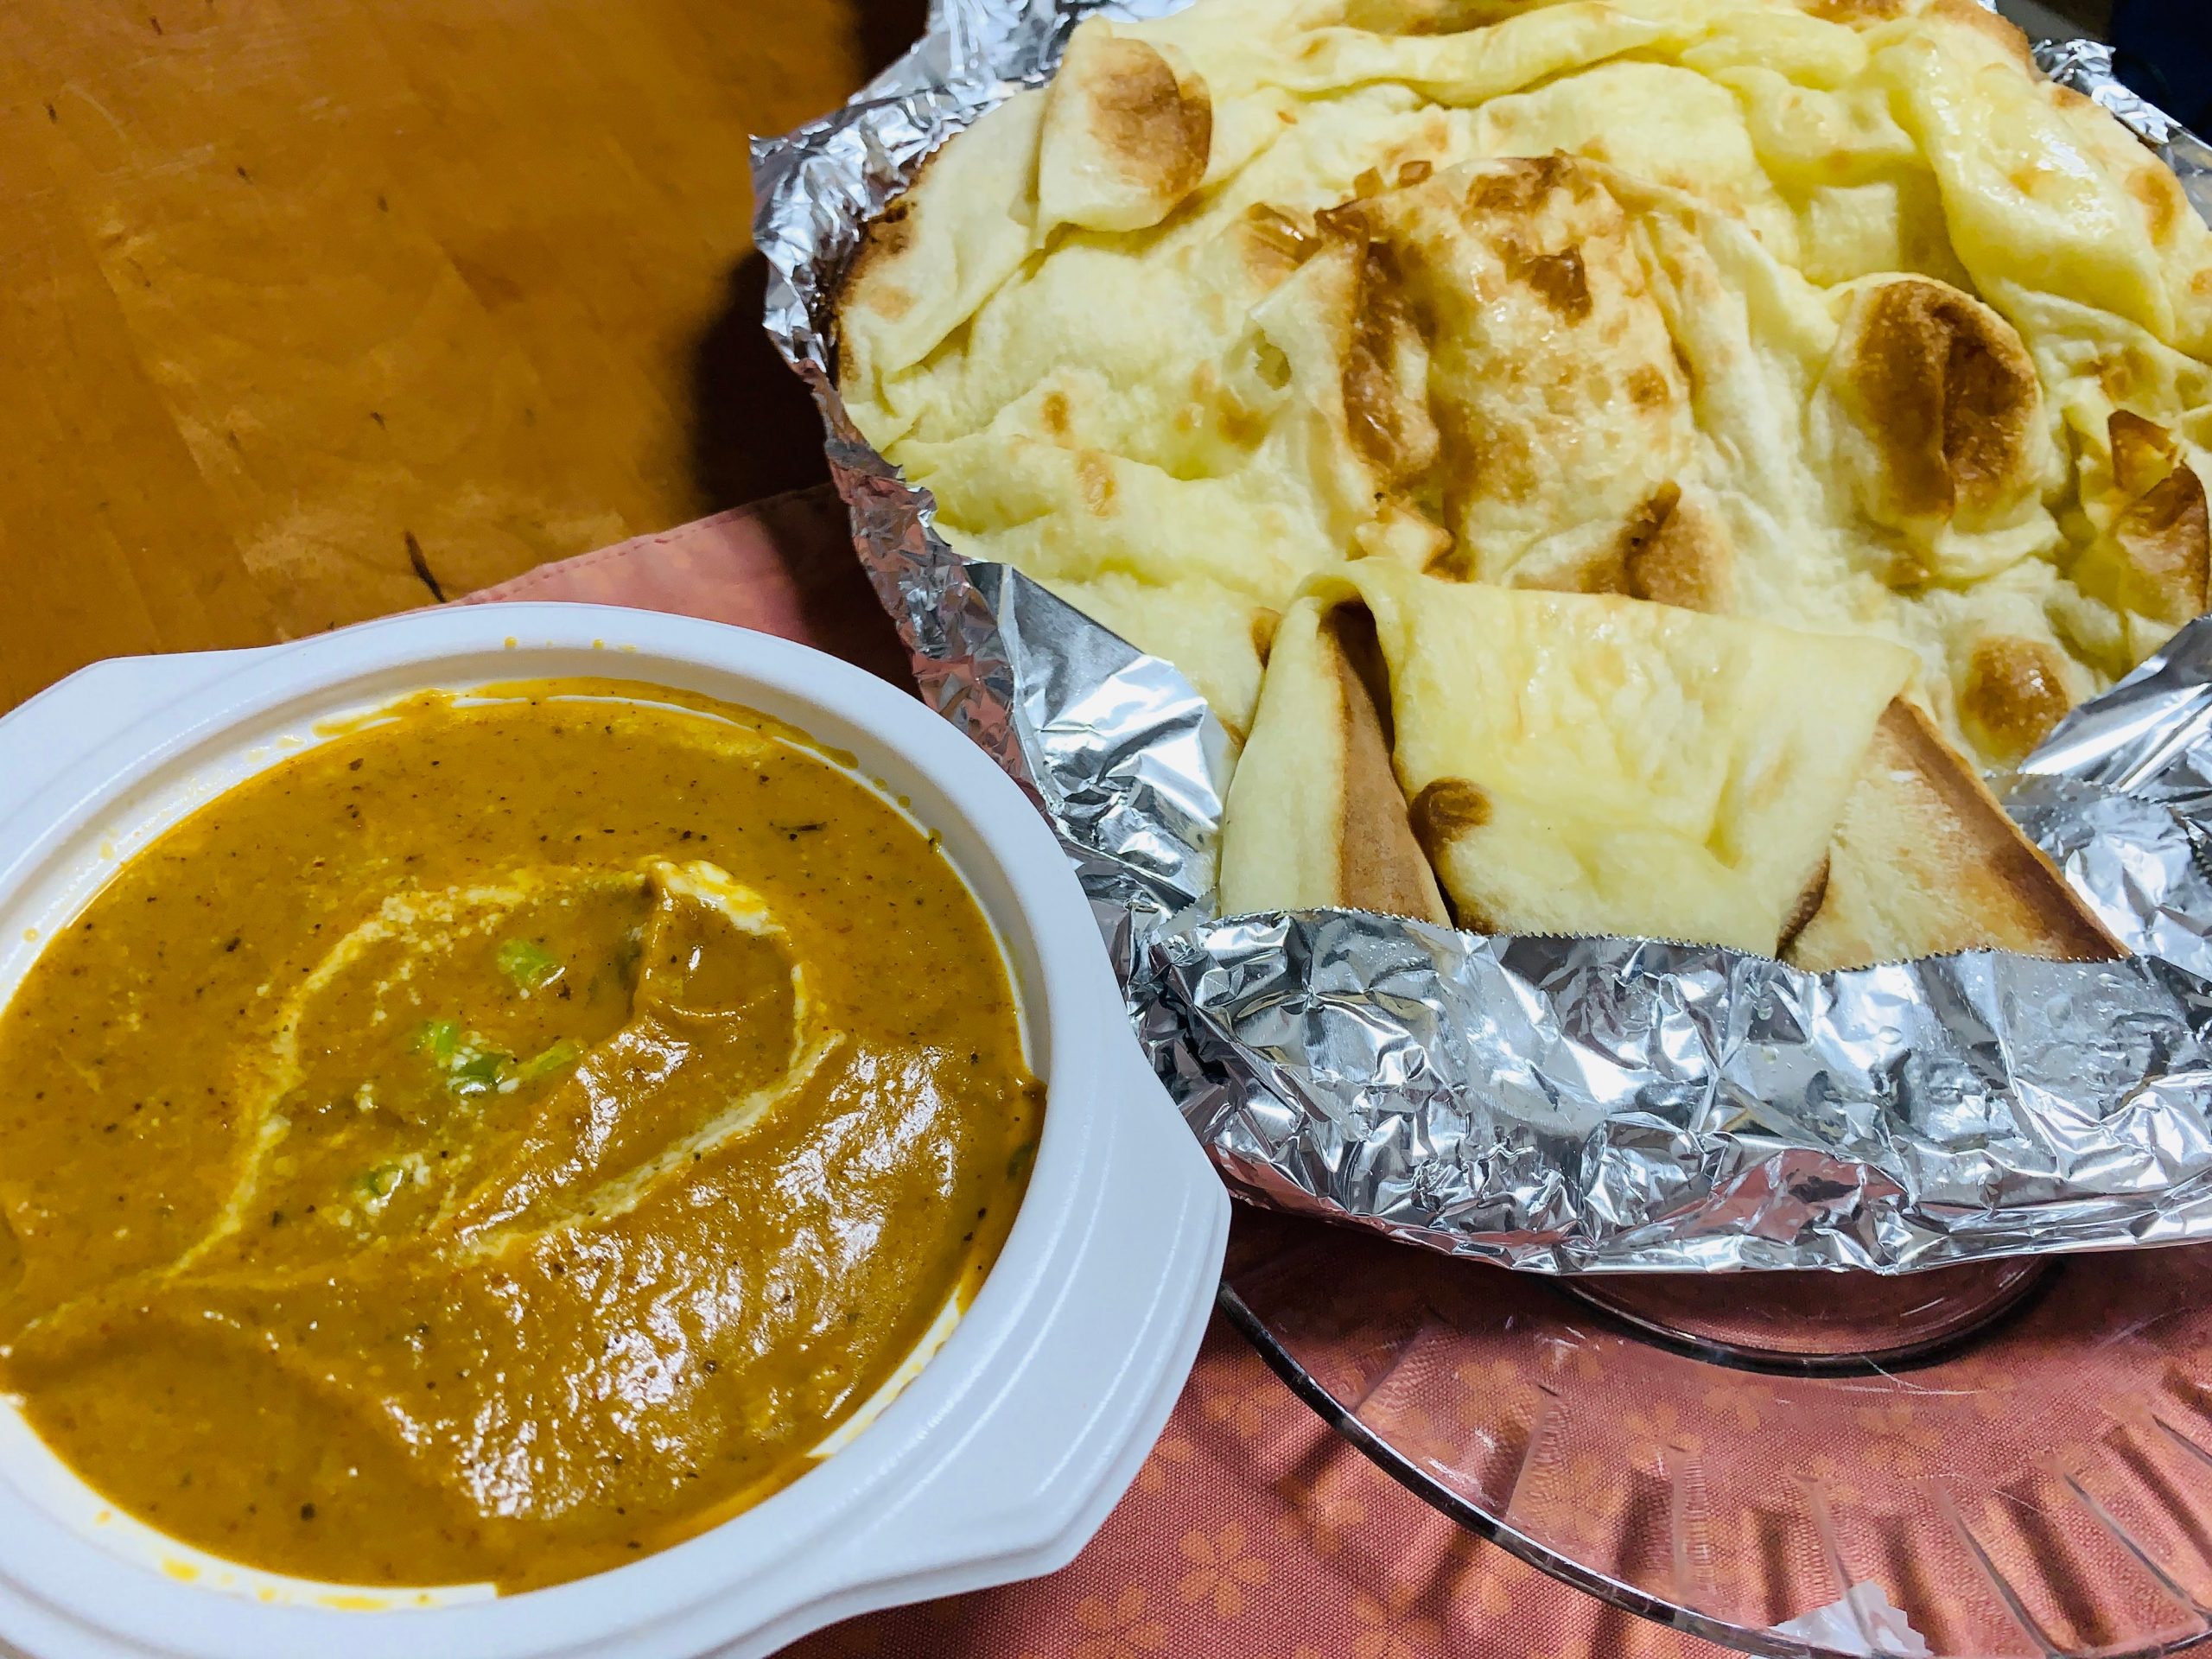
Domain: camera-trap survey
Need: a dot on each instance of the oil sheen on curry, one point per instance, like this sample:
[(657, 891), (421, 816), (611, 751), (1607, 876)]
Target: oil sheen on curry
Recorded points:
[(501, 1139)]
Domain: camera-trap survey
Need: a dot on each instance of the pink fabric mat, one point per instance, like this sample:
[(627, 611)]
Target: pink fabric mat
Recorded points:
[(1252, 1530)]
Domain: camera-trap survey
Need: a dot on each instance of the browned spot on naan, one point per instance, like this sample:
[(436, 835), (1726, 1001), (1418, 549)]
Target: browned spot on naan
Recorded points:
[(1094, 474), (2142, 452), (2015, 692), (1949, 396), (2164, 535), (1444, 810), (1264, 624)]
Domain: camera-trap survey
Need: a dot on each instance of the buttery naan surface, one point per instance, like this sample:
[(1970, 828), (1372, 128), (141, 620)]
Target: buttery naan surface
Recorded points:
[(1834, 314), (1575, 763), (1589, 763)]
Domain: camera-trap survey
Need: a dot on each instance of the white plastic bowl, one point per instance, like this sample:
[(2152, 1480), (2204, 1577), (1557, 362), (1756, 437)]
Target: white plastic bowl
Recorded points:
[(997, 1462)]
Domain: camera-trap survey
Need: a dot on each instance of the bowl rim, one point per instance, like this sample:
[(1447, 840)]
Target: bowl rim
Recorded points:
[(66, 1578)]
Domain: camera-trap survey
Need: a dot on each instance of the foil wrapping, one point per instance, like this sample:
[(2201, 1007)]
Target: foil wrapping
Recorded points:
[(1556, 1105)]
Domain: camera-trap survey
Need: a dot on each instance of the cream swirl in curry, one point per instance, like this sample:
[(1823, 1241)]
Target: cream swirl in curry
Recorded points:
[(501, 1140)]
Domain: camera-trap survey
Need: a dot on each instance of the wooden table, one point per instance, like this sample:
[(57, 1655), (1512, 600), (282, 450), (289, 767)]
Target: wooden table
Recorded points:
[(316, 310)]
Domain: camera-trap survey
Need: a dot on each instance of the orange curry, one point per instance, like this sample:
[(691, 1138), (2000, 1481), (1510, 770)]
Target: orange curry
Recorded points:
[(502, 1140)]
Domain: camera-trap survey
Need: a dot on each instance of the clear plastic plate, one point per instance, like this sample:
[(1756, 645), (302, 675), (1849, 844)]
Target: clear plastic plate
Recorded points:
[(2023, 1470)]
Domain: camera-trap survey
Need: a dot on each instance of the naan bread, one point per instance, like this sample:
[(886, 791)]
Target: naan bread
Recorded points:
[(1925, 861), (1626, 466), (1316, 817), (1832, 314), (1585, 764), (1570, 763)]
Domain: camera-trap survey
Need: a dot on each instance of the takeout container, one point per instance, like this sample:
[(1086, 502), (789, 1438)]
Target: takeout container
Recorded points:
[(996, 1462)]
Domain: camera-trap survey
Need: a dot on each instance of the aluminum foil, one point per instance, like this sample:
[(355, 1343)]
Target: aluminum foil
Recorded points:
[(1557, 1105)]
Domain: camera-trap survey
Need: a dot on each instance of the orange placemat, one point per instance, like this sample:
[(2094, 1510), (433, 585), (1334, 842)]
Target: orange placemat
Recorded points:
[(1252, 1529)]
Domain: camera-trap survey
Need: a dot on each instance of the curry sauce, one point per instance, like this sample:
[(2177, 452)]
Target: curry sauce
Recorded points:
[(501, 1140)]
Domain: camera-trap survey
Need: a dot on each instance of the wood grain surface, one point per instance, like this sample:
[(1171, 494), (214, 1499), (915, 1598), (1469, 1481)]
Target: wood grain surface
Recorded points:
[(316, 310)]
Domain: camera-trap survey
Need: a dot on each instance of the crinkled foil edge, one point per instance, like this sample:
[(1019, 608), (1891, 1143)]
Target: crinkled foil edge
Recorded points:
[(1555, 1105)]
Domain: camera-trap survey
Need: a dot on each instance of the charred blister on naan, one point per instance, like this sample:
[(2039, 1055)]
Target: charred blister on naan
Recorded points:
[(1125, 138), (2012, 693), (2154, 558), (1942, 405), (1562, 407)]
